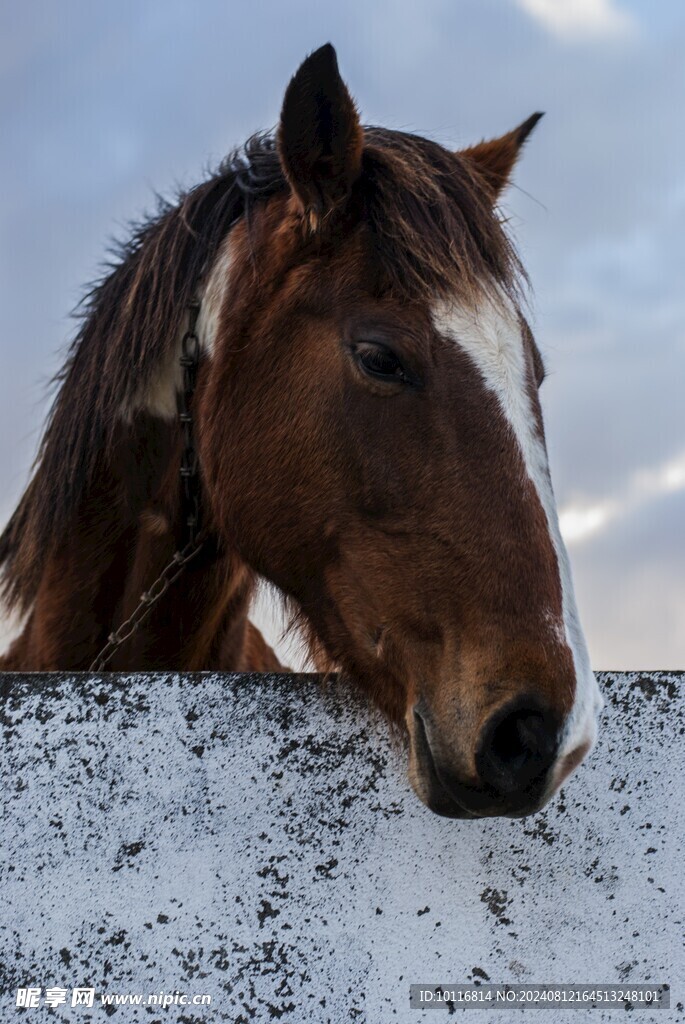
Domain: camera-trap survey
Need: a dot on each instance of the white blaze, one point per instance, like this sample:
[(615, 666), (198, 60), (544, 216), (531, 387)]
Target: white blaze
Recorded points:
[(491, 336)]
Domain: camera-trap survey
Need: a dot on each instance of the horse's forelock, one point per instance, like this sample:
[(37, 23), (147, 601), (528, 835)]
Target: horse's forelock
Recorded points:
[(436, 232)]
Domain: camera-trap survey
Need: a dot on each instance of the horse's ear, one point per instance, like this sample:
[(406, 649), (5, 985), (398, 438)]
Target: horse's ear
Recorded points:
[(495, 159), (319, 137)]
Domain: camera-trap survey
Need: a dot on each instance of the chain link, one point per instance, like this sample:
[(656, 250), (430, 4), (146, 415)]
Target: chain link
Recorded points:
[(190, 500), (190, 356)]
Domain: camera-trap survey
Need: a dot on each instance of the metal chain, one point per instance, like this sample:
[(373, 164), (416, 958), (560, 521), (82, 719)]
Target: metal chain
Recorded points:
[(190, 500), (190, 357)]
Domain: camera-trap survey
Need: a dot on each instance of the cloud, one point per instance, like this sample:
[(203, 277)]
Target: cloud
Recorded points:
[(629, 585), (579, 19), (580, 522)]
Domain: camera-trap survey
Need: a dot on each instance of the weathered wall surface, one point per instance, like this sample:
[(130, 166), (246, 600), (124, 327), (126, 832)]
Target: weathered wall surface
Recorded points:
[(254, 838)]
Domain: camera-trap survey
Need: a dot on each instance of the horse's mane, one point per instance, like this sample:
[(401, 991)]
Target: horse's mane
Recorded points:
[(434, 231)]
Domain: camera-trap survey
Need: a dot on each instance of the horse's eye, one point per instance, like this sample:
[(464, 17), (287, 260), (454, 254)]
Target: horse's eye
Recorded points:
[(380, 362)]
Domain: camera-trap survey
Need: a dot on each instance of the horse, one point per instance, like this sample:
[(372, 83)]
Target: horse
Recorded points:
[(314, 369)]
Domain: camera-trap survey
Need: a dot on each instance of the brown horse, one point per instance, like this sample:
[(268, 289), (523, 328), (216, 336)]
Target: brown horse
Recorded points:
[(369, 439)]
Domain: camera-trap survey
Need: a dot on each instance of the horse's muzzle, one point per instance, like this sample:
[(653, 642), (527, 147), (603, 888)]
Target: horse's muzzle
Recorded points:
[(514, 758)]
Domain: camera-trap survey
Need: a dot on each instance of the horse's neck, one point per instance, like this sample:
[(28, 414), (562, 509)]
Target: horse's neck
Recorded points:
[(201, 620), (124, 532)]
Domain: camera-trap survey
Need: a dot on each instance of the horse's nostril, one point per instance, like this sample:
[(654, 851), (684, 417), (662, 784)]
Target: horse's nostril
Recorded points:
[(518, 746)]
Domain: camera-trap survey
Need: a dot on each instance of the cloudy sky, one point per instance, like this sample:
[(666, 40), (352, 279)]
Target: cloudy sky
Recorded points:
[(102, 103)]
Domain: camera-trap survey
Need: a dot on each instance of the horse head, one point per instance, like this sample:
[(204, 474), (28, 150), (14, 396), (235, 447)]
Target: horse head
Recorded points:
[(372, 442)]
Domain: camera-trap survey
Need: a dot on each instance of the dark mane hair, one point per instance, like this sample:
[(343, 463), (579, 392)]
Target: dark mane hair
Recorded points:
[(128, 320), (434, 231)]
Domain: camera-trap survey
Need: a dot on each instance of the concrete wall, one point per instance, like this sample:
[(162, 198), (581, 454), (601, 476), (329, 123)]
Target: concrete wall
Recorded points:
[(255, 838)]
